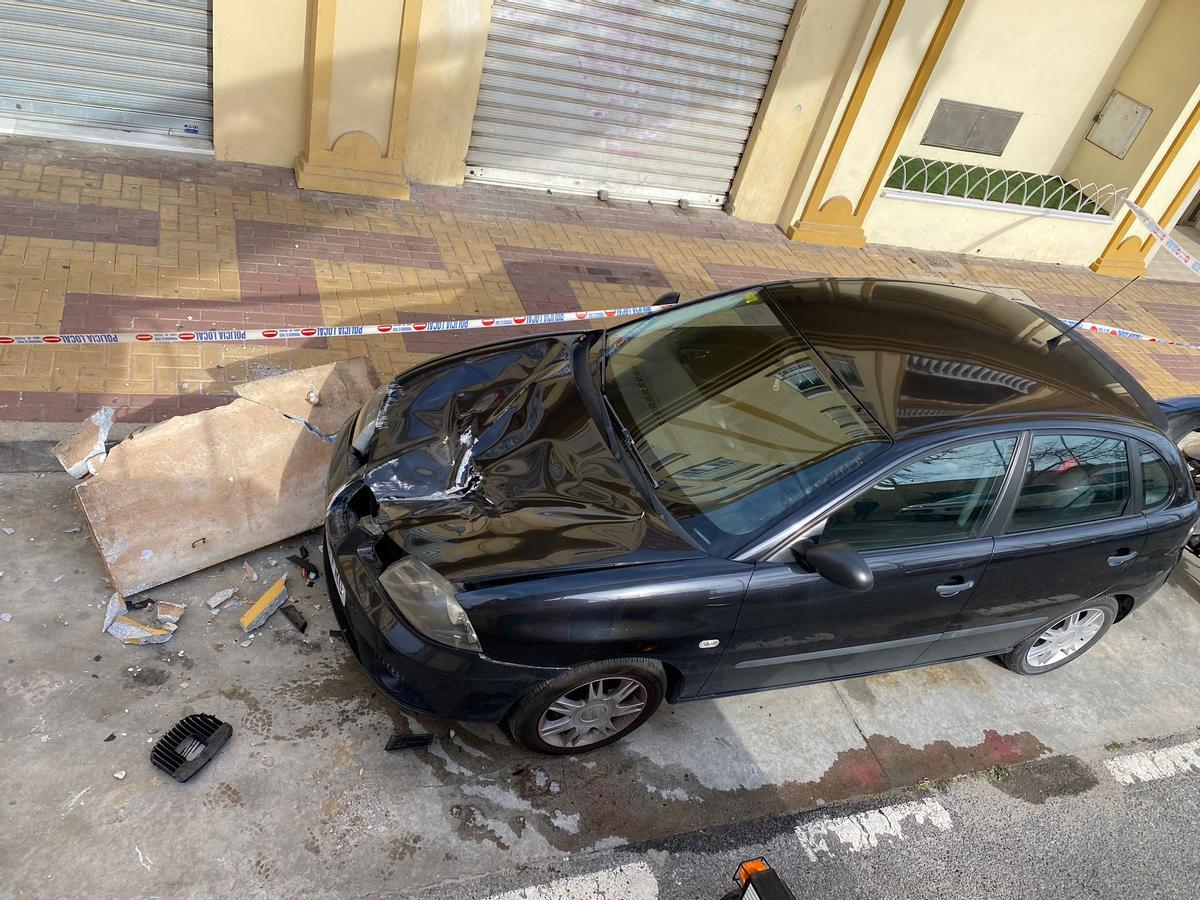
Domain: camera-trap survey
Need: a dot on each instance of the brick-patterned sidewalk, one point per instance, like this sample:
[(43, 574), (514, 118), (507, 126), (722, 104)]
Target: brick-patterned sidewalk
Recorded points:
[(95, 239)]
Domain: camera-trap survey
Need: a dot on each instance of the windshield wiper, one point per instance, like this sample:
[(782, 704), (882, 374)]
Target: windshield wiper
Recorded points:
[(630, 443)]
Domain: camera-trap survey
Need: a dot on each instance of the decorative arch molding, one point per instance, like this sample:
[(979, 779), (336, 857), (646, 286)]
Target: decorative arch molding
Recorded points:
[(355, 163)]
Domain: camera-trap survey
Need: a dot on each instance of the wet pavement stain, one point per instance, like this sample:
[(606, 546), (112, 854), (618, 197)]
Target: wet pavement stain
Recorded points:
[(258, 720), (225, 796), (1057, 776), (473, 826), (604, 794), (146, 678), (401, 848)]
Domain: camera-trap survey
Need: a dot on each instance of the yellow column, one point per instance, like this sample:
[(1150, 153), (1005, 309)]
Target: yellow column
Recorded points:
[(354, 162), (1124, 256), (838, 220)]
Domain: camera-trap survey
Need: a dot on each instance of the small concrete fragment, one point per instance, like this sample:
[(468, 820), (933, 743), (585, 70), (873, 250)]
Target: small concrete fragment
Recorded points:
[(215, 601), (5, 617), (8, 530), (82, 453), (116, 607), (273, 598), (248, 571), (169, 612), (127, 631)]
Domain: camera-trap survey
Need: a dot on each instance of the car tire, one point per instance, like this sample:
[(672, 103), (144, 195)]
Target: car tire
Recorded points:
[(581, 710), (1092, 622)]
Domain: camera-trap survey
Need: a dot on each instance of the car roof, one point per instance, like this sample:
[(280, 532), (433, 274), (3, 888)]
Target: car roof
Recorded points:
[(922, 355)]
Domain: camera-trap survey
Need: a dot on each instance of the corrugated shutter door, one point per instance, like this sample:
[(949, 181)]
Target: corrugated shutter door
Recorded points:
[(134, 65), (652, 100)]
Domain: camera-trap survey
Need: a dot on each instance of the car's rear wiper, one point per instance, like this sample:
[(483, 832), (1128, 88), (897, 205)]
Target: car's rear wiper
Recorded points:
[(630, 443)]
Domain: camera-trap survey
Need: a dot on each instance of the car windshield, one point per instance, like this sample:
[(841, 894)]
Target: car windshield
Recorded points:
[(734, 415)]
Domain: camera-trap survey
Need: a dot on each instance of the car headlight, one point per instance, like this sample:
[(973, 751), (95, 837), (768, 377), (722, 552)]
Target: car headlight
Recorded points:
[(427, 602)]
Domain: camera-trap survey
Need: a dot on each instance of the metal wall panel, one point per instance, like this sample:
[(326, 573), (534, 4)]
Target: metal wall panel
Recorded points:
[(969, 126), (134, 65), (652, 100)]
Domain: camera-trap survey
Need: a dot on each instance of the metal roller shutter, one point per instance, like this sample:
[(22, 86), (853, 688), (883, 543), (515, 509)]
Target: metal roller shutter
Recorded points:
[(133, 65), (652, 100)]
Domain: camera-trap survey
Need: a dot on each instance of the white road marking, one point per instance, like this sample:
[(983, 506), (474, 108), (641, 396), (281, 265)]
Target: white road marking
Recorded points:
[(862, 831), (632, 882), (1151, 765)]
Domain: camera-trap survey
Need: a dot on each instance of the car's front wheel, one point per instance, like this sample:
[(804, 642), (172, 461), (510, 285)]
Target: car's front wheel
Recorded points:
[(589, 707), (1065, 640)]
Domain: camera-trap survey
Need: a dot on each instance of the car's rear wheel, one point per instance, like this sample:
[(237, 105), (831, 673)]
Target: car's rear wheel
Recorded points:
[(589, 707), (1067, 639)]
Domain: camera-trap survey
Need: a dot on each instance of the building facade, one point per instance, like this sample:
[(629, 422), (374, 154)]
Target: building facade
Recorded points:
[(1008, 128)]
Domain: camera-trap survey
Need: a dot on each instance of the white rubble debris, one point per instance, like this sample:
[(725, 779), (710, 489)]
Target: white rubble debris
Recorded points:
[(82, 453)]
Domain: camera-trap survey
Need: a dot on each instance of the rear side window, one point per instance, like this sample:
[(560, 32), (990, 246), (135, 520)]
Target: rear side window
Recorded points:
[(1072, 478), (1156, 478), (943, 497)]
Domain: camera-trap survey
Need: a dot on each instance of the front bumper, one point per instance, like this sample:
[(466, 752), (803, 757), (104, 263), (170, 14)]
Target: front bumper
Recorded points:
[(424, 677)]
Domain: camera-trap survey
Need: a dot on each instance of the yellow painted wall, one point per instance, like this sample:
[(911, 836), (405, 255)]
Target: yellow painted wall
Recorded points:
[(821, 34), (833, 107), (986, 232), (259, 89), (366, 38), (1162, 72), (445, 89), (900, 61), (1048, 60)]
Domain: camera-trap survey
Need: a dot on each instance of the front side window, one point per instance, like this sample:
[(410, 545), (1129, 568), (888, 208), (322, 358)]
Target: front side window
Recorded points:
[(1156, 478), (1070, 479), (734, 415), (944, 497)]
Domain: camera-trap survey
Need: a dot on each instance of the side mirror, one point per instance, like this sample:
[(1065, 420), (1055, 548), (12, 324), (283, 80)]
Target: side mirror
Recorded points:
[(668, 299), (838, 562)]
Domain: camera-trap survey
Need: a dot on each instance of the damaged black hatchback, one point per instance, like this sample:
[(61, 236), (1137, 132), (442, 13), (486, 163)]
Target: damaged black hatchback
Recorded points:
[(784, 484)]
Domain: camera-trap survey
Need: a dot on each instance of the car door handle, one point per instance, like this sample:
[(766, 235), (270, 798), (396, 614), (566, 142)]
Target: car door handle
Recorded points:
[(1123, 556), (950, 588)]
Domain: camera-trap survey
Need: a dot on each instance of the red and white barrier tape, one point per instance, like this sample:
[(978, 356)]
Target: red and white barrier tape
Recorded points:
[(282, 333), (1171, 246)]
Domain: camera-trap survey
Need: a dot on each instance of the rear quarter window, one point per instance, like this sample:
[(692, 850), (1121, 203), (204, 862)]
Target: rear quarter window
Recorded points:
[(1157, 482)]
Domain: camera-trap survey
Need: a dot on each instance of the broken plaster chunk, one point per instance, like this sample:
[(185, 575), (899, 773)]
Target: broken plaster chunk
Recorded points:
[(82, 453), (313, 397), (215, 601), (169, 612), (127, 631), (273, 598), (240, 456), (248, 571), (116, 607)]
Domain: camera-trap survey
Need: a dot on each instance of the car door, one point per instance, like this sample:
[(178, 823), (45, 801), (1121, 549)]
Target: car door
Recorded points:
[(922, 531), (1073, 534)]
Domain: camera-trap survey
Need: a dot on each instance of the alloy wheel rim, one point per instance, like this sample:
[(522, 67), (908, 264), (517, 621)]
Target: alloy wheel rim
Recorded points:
[(593, 712), (1065, 638)]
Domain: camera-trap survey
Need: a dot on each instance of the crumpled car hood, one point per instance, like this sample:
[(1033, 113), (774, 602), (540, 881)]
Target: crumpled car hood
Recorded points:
[(490, 466)]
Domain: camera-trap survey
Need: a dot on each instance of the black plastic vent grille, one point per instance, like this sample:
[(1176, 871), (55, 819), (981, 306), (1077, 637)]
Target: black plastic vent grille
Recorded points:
[(183, 751)]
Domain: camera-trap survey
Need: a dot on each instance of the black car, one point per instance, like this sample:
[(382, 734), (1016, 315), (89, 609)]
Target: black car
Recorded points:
[(784, 484)]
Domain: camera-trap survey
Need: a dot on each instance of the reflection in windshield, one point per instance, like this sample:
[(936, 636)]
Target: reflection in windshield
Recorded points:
[(735, 415)]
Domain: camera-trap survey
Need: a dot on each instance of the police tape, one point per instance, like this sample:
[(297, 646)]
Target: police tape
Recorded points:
[(1169, 243), (283, 333), (1173, 247)]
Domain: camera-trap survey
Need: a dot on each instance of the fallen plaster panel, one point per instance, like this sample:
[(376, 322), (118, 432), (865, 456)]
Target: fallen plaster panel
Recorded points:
[(203, 488)]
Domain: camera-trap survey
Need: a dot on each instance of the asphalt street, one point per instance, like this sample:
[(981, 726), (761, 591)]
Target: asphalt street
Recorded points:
[(1062, 826), (992, 784)]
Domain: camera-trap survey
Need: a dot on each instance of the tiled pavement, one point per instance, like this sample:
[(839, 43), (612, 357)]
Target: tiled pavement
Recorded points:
[(93, 238)]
